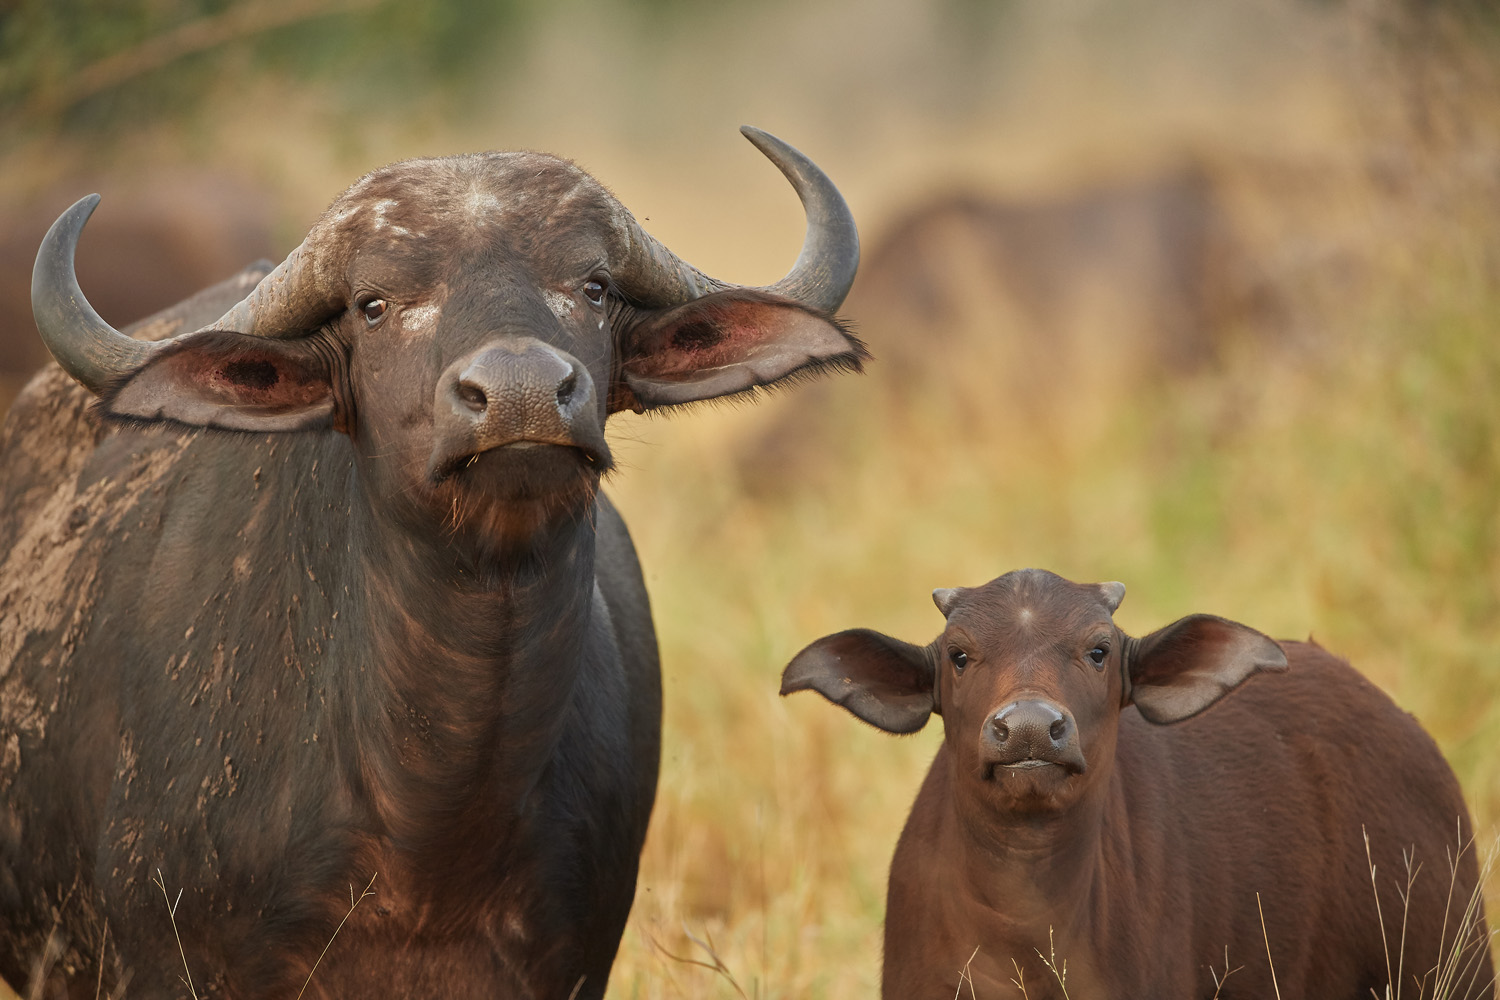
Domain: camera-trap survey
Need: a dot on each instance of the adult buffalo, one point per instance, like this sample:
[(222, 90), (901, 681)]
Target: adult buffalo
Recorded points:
[(378, 623)]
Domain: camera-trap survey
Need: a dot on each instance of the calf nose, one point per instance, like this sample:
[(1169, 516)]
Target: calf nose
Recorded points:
[(515, 391), (1032, 730)]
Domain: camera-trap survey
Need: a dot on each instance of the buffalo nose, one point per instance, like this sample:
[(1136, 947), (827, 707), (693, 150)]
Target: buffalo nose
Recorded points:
[(1032, 729), (517, 390), (490, 376)]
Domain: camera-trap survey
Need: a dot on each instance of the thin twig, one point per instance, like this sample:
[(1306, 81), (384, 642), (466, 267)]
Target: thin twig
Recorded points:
[(352, 904)]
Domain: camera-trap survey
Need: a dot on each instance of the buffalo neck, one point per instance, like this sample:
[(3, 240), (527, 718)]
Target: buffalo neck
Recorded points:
[(473, 658), (1030, 869)]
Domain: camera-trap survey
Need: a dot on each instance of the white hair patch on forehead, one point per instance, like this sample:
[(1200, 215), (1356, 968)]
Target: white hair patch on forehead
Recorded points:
[(481, 203), (560, 303), (383, 206), (421, 316)]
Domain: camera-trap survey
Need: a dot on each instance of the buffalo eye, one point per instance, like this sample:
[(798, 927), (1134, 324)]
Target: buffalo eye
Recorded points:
[(373, 310), (595, 288), (959, 658), (1099, 654)]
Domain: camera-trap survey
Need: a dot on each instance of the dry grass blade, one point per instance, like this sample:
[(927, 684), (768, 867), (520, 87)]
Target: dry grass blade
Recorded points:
[(1019, 980), (103, 940), (1219, 982), (1385, 946), (715, 965), (965, 977), (1050, 961), (42, 967), (161, 884), (352, 904), (1459, 960), (1267, 939)]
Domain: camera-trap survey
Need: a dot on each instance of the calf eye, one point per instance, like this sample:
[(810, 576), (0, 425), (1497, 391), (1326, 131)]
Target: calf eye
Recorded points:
[(595, 288), (1098, 655), (960, 659), (373, 310)]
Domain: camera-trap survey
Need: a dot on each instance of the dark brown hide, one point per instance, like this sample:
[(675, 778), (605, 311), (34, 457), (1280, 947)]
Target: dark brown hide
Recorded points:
[(330, 597), (1146, 872)]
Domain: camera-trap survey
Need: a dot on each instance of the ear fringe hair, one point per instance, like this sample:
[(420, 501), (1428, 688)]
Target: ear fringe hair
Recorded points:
[(851, 362)]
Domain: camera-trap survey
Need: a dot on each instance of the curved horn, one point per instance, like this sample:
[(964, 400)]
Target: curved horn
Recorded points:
[(821, 277), (825, 268), (288, 302), (89, 349)]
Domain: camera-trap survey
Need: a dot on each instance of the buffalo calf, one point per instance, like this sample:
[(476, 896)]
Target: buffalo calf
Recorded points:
[(1084, 831)]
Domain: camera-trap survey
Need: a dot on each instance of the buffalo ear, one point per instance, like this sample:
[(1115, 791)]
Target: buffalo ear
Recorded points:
[(884, 681), (1178, 671), (724, 343), (221, 379)]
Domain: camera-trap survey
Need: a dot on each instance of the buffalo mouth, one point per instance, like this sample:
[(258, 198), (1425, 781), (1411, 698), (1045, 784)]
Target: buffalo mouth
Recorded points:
[(1062, 766), (522, 471), (524, 455)]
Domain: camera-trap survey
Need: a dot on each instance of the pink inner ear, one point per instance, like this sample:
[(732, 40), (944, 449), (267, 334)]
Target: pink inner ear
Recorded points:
[(706, 337), (239, 385), (241, 379), (252, 379)]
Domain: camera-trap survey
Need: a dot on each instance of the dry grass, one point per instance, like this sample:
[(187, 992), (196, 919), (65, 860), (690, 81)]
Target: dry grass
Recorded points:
[(1340, 478)]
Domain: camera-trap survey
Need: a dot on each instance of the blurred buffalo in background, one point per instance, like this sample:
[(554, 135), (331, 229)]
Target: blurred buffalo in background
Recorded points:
[(165, 237)]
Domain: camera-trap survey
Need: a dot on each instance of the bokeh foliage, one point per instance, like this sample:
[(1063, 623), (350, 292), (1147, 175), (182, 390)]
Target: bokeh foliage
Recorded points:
[(98, 67), (1336, 473)]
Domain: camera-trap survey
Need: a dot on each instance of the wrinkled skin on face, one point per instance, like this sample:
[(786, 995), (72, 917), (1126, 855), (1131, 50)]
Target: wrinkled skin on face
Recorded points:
[(1133, 808), (466, 330)]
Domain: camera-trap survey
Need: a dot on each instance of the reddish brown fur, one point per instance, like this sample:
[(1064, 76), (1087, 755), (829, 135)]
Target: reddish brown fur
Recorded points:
[(1146, 873)]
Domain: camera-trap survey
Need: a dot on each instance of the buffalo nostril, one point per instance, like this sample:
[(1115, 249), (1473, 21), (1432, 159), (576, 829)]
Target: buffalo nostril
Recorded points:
[(1058, 730), (473, 396), (565, 388)]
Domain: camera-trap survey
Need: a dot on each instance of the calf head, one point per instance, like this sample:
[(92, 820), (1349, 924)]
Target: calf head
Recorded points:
[(1030, 674), (470, 322)]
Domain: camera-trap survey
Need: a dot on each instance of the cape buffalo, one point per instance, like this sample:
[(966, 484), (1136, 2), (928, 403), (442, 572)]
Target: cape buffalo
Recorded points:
[(1085, 832), (322, 596)]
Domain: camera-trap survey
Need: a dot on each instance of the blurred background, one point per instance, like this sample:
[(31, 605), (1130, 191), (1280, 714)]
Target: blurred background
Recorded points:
[(1199, 297)]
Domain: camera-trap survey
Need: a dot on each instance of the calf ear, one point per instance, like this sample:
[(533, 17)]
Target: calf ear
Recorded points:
[(1178, 671), (724, 343), (884, 681), (222, 379)]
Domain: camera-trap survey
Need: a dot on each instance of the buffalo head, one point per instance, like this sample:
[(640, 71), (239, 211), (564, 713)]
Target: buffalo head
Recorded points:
[(470, 322), (1030, 674)]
